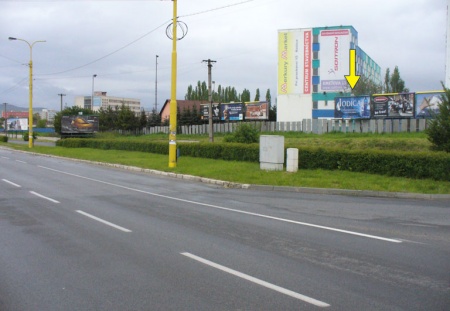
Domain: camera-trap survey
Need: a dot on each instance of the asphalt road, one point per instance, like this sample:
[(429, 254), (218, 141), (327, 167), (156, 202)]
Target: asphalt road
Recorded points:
[(75, 236)]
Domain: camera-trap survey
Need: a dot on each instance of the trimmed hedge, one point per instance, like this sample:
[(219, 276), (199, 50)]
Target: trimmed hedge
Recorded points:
[(418, 165), (4, 139)]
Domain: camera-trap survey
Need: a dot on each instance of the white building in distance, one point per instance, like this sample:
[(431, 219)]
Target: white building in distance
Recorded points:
[(102, 100)]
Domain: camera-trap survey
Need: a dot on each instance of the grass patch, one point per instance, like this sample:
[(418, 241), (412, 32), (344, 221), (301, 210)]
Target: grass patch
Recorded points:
[(244, 172)]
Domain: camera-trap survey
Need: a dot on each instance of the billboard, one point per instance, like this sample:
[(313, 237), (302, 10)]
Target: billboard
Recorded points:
[(17, 124), (204, 112), (355, 107), (393, 105), (231, 112), (256, 111), (427, 104), (334, 59), (294, 62), (79, 124)]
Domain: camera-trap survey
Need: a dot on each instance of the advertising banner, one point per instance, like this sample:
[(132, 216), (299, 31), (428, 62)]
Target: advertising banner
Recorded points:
[(394, 105), (294, 62), (17, 124), (256, 111), (231, 112), (79, 124), (334, 59), (204, 112), (427, 104), (356, 107)]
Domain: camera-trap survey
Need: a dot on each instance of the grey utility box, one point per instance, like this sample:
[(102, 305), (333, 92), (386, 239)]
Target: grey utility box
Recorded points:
[(292, 160), (271, 152)]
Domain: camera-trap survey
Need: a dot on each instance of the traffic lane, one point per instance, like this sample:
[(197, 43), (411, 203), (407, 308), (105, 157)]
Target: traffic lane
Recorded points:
[(280, 269), (413, 256), (90, 262)]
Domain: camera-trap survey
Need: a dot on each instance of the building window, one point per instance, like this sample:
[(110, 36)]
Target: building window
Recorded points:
[(315, 104)]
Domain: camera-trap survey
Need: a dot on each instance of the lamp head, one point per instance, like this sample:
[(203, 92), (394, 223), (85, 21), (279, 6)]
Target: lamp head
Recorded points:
[(12, 38)]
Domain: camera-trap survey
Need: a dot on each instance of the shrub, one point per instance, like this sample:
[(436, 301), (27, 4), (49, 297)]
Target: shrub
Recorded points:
[(245, 133), (439, 127), (4, 139)]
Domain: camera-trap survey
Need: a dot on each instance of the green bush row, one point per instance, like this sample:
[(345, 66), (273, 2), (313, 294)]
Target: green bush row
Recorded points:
[(4, 139), (418, 165)]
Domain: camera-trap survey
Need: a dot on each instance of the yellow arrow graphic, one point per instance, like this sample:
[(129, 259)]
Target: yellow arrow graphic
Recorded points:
[(352, 78)]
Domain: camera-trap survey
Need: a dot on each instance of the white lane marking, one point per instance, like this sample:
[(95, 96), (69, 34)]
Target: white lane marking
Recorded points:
[(232, 210), (21, 161), (11, 183), (104, 221), (247, 277), (5, 158), (44, 197)]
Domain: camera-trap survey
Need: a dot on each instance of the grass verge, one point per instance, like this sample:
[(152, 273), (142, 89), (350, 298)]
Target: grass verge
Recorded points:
[(249, 173)]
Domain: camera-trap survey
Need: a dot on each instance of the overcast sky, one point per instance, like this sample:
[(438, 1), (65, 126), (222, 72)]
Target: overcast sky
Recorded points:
[(119, 40)]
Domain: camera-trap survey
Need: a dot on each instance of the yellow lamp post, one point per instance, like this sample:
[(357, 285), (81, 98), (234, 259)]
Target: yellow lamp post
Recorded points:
[(173, 96), (30, 108)]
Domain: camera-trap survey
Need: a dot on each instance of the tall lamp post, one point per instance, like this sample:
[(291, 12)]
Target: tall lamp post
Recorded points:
[(6, 121), (92, 94), (156, 85), (30, 108)]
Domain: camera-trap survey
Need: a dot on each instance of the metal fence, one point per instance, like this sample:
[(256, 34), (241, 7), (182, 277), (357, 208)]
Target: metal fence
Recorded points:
[(316, 126)]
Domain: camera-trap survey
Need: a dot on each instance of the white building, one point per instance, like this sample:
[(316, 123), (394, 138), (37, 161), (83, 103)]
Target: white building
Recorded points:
[(312, 65), (102, 100)]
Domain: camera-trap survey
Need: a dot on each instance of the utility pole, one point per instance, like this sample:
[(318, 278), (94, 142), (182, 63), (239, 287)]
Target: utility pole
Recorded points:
[(61, 99), (210, 124)]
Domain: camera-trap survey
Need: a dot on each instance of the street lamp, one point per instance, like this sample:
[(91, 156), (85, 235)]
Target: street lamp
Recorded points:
[(156, 85), (92, 94), (30, 108), (6, 122)]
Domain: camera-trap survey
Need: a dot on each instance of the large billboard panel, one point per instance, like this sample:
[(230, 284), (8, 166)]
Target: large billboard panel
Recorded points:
[(204, 112), (79, 124), (355, 107), (294, 62), (427, 104), (17, 124), (232, 112), (334, 59), (256, 111), (393, 105)]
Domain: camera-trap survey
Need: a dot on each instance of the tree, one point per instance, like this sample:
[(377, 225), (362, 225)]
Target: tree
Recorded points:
[(126, 119), (393, 83), (268, 97), (245, 96), (365, 86), (439, 127), (142, 120), (273, 113), (41, 123), (257, 95), (154, 119)]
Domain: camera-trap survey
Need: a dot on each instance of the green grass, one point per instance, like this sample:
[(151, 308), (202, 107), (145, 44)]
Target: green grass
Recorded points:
[(244, 172)]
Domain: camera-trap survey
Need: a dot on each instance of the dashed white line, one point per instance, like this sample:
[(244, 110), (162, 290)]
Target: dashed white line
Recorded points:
[(21, 161), (44, 197), (247, 277), (230, 209), (6, 158), (11, 183), (104, 221)]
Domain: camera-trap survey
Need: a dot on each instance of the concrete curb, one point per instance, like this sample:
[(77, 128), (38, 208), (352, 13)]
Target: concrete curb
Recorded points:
[(233, 185)]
